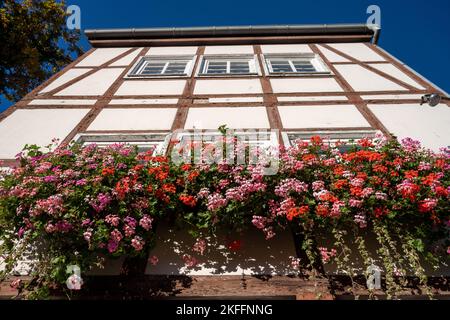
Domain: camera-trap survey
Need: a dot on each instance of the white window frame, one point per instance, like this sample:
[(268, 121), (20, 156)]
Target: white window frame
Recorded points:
[(136, 70), (159, 140), (252, 60), (330, 137), (264, 144), (314, 59)]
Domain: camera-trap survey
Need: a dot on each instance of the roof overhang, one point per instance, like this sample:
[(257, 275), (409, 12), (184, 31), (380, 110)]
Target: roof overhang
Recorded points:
[(233, 35)]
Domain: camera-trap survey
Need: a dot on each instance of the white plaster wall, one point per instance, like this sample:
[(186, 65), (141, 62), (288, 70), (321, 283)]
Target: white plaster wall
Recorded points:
[(313, 98), (143, 101), (429, 125), (232, 86), (100, 56), (359, 51), (290, 85), (285, 48), (36, 126), (257, 256), (361, 79), (171, 51), (151, 87), (134, 119), (66, 77), (396, 73), (93, 85), (128, 59), (333, 116), (233, 117), (391, 96), (331, 56), (229, 50), (62, 102), (238, 99)]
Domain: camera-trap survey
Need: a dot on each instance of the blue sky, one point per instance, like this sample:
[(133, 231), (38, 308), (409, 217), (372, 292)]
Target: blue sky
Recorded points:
[(417, 32)]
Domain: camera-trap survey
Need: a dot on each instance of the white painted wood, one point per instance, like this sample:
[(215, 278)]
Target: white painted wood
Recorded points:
[(93, 85), (391, 96), (151, 87), (256, 256), (361, 79), (358, 51), (430, 125), (62, 102), (285, 48), (143, 101), (313, 98), (172, 51), (127, 60), (331, 56), (239, 99), (100, 56), (233, 117), (232, 86), (134, 119), (333, 116), (36, 126), (66, 77), (229, 50), (396, 73), (289, 85)]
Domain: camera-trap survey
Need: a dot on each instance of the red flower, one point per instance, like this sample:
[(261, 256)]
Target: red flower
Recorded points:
[(340, 184), (188, 200), (235, 245), (297, 211), (107, 171), (316, 140), (322, 210), (410, 174), (186, 167), (380, 168), (169, 188), (193, 175), (123, 187)]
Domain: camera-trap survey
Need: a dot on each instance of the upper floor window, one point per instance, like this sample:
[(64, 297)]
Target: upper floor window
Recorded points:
[(294, 64), (228, 65), (163, 66), (156, 143)]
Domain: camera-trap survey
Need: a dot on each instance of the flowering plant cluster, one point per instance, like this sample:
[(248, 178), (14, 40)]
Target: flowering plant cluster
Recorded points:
[(82, 201)]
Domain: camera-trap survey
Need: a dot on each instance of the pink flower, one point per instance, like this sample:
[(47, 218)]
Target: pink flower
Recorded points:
[(336, 208), (327, 254), (354, 203), (199, 246), (146, 222), (380, 195), (367, 192), (290, 185), (216, 201), (129, 230), (116, 235), (203, 193), (87, 235), (259, 222), (16, 284), (269, 233), (112, 246), (295, 263), (318, 185), (112, 220), (190, 261), (137, 243), (361, 219), (153, 260)]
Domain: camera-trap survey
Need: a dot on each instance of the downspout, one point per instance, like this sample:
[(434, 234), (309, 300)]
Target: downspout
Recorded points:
[(376, 32)]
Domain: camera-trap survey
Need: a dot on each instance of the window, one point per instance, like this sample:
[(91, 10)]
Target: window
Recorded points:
[(346, 137), (157, 142), (228, 65), (263, 139), (294, 64), (163, 66)]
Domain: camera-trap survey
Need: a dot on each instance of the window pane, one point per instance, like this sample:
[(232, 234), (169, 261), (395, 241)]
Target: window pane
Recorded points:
[(303, 66), (176, 67), (281, 66), (217, 67), (239, 67), (153, 68)]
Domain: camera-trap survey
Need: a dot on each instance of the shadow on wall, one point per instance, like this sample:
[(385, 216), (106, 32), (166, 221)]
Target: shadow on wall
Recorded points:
[(248, 253)]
